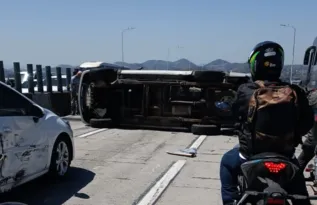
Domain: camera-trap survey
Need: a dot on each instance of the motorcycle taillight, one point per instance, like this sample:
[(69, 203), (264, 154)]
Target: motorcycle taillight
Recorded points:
[(274, 167), (271, 201)]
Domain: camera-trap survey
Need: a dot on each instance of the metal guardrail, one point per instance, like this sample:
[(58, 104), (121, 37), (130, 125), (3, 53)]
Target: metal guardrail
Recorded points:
[(39, 78)]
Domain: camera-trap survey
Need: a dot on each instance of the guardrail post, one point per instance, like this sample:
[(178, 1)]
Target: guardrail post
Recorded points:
[(30, 78), (17, 76), (39, 75), (2, 76), (68, 78), (48, 79), (59, 79)]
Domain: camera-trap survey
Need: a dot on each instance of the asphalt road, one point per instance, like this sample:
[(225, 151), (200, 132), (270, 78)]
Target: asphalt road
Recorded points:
[(131, 167)]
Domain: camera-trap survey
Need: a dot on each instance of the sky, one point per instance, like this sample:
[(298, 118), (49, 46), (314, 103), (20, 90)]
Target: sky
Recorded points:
[(74, 31)]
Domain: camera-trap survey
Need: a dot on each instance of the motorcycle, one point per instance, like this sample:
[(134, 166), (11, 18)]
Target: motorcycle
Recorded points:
[(264, 178)]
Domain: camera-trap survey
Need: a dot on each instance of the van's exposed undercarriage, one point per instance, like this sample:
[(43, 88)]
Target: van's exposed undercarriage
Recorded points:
[(157, 99)]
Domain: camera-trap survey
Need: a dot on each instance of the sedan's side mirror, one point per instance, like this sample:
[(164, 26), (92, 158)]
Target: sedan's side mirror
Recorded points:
[(36, 111)]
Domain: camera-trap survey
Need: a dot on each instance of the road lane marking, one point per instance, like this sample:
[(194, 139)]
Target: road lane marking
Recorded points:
[(156, 191), (198, 142), (91, 133)]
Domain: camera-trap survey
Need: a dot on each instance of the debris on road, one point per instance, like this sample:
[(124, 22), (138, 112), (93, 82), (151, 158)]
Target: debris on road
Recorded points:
[(190, 152)]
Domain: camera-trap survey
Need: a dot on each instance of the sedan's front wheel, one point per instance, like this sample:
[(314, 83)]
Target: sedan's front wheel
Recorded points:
[(60, 160)]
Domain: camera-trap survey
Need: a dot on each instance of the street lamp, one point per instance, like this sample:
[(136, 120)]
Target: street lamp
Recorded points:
[(124, 30), (181, 47), (168, 55), (294, 29), (168, 58)]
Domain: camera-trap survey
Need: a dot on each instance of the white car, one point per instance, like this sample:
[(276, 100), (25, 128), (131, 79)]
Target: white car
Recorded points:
[(33, 140)]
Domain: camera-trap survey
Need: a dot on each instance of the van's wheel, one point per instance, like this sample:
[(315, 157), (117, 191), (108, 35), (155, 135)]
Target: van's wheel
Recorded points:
[(199, 129), (61, 158)]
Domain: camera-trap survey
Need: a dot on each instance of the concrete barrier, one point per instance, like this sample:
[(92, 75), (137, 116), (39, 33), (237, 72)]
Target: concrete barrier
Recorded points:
[(59, 103)]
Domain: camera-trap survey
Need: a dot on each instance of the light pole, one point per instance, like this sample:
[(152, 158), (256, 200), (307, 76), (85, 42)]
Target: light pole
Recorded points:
[(168, 55), (294, 29), (182, 47), (168, 58), (124, 30), (179, 47)]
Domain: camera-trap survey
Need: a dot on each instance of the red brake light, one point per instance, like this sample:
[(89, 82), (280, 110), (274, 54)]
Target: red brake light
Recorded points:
[(274, 167), (275, 201), (308, 170)]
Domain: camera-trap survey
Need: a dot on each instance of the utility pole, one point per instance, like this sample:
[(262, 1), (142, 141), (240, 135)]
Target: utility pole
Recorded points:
[(122, 32), (294, 38), (168, 58)]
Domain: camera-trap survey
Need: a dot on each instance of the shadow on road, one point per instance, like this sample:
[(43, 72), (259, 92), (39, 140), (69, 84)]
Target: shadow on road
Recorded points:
[(230, 131), (52, 192)]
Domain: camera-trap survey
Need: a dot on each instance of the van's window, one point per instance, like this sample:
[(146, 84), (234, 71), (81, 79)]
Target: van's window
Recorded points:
[(12, 104)]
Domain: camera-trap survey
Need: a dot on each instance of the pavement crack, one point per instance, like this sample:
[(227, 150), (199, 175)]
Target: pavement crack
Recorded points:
[(193, 187), (126, 162), (210, 178), (206, 161), (205, 153), (158, 147), (122, 178), (109, 161)]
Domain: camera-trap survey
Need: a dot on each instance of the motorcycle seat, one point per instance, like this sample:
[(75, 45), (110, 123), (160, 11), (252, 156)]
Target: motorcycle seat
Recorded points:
[(269, 155)]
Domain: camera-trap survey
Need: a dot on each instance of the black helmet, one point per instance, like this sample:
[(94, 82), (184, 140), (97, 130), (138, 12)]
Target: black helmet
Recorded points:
[(266, 61)]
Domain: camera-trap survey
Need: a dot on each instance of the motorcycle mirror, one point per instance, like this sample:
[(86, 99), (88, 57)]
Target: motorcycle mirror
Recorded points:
[(224, 106), (309, 53)]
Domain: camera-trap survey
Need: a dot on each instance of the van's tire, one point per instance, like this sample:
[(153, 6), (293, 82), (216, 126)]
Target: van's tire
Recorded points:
[(199, 129), (101, 123), (55, 169)]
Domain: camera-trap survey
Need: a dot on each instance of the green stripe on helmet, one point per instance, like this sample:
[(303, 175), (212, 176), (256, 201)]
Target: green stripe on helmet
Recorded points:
[(282, 54), (252, 62)]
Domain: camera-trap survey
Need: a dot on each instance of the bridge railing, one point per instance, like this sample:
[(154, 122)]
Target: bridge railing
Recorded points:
[(54, 97)]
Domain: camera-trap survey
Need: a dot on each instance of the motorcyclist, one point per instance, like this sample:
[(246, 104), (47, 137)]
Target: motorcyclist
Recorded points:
[(309, 145), (74, 91), (265, 62)]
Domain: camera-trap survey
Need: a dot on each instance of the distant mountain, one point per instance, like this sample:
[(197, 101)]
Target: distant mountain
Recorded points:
[(185, 64), (64, 66), (219, 64), (8, 72), (156, 64), (129, 65)]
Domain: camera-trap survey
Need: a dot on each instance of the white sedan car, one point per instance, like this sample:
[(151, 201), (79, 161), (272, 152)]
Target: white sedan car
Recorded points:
[(33, 140)]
